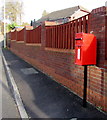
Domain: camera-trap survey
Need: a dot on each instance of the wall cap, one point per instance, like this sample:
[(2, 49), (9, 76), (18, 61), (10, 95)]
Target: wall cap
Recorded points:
[(33, 44), (60, 50)]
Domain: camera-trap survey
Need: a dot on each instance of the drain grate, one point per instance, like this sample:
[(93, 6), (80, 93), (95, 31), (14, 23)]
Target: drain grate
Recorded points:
[(28, 71)]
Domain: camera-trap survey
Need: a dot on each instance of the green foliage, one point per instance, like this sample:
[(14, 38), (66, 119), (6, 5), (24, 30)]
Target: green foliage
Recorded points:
[(11, 26), (44, 13)]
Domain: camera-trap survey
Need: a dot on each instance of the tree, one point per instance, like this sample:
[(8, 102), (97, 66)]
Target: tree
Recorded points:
[(25, 24), (13, 11), (44, 13), (13, 14)]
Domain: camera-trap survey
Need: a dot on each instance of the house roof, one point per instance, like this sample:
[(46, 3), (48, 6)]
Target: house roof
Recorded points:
[(62, 13)]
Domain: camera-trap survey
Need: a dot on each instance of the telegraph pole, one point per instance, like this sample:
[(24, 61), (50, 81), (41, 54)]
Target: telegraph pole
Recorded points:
[(4, 28)]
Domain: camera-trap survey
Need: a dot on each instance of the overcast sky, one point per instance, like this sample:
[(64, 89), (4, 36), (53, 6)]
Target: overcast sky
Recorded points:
[(33, 8)]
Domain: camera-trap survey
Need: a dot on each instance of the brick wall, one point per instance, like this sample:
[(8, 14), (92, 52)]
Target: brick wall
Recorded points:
[(98, 29), (59, 63), (106, 35)]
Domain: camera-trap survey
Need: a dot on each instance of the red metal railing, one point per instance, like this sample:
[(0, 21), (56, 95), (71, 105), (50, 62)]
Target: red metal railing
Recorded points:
[(33, 36), (62, 36), (13, 35), (27, 36), (58, 36), (8, 35), (20, 35)]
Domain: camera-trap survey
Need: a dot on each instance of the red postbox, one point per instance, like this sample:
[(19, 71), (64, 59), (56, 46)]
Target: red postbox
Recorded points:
[(85, 49)]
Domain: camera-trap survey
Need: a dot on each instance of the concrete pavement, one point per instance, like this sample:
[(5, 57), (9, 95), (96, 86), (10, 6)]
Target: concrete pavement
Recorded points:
[(7, 103), (43, 97)]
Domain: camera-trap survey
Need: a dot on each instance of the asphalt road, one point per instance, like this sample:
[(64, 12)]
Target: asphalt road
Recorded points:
[(43, 97), (8, 108)]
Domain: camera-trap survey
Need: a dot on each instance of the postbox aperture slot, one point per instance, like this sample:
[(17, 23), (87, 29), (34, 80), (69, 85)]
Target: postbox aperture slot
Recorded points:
[(79, 42), (78, 38)]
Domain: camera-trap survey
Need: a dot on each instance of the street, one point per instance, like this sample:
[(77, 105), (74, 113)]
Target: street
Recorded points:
[(42, 96), (53, 60)]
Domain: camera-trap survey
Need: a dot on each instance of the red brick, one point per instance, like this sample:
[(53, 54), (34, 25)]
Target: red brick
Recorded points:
[(60, 64)]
